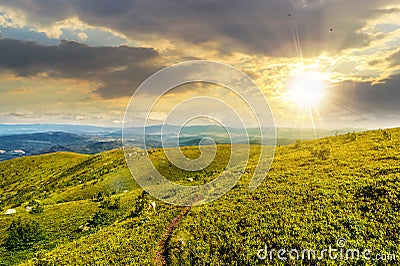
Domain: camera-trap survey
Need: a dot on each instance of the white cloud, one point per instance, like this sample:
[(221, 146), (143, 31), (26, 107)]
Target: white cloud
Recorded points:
[(12, 18), (82, 36), (17, 19)]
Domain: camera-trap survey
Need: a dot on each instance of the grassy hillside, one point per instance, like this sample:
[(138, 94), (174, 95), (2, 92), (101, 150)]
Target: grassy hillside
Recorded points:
[(91, 212)]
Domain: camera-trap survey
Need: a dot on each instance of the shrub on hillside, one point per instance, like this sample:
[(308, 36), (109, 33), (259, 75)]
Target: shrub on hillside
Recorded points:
[(298, 144), (99, 197), (110, 204), (36, 207), (101, 218), (352, 136), (23, 234), (386, 135), (141, 203), (322, 153)]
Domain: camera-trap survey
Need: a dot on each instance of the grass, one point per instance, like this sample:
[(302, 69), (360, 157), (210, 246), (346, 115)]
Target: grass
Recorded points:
[(317, 191)]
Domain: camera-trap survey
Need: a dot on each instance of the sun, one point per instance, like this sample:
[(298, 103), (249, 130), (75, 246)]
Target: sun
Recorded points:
[(306, 89)]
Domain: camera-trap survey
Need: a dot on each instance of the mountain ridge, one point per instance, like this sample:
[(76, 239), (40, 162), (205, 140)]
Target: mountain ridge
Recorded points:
[(90, 140)]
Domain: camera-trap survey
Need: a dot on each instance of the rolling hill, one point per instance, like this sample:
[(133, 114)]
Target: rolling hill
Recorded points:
[(88, 210)]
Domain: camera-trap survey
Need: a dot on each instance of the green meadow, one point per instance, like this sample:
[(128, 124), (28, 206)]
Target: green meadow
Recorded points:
[(88, 210)]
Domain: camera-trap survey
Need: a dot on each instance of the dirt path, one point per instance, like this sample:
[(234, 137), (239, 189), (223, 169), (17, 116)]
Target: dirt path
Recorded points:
[(162, 244)]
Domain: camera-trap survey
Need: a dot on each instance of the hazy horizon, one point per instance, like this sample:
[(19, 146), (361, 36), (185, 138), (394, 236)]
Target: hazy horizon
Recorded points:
[(120, 126)]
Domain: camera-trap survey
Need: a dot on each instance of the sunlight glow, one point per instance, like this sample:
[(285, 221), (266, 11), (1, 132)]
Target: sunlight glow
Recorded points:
[(306, 89)]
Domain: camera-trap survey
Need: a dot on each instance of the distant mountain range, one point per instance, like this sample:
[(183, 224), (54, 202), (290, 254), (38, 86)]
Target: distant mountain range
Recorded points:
[(14, 129), (32, 139), (18, 145)]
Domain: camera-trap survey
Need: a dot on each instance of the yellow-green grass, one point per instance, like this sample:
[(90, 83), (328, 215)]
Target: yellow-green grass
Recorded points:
[(317, 191)]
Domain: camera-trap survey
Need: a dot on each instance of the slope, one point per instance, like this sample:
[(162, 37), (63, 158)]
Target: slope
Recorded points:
[(317, 191)]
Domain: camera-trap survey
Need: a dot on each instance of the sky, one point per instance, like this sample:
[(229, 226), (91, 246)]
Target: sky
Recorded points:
[(319, 63)]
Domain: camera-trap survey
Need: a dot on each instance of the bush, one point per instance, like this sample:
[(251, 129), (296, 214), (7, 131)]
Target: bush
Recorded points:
[(23, 234), (101, 218), (386, 135), (100, 197), (36, 207), (141, 203), (352, 136), (298, 144), (110, 204), (322, 153)]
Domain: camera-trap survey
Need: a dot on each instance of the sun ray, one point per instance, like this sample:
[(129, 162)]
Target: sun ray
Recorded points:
[(312, 122)]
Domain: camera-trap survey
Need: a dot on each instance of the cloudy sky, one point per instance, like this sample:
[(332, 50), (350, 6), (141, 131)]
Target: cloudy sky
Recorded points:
[(322, 63)]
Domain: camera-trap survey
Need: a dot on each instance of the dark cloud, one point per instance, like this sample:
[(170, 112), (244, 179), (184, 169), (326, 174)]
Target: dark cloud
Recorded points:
[(255, 26), (119, 69), (394, 59), (379, 99)]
